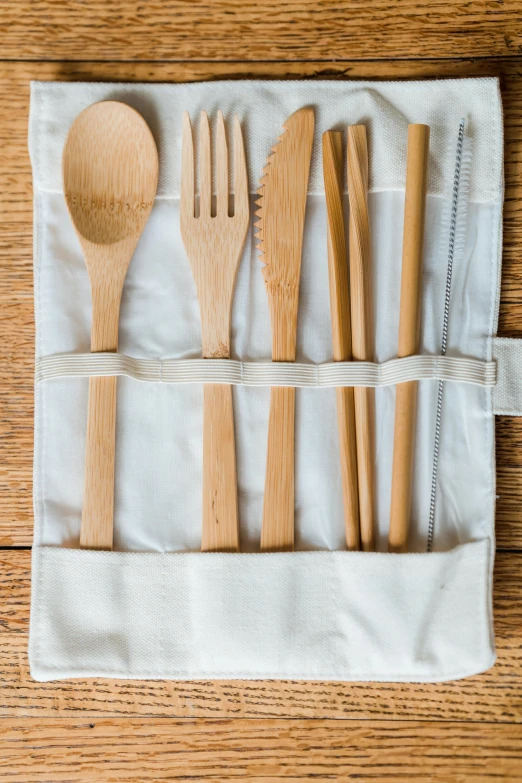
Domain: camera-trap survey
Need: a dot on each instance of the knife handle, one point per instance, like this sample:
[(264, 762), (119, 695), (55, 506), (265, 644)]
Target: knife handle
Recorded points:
[(277, 532), (220, 532)]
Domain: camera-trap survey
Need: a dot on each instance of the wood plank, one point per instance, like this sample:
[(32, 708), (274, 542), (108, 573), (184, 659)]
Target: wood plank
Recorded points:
[(256, 750), (495, 696), (509, 482), (265, 30), (16, 305)]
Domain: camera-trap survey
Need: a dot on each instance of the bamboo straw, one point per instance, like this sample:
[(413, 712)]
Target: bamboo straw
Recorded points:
[(359, 245), (409, 327), (341, 330)]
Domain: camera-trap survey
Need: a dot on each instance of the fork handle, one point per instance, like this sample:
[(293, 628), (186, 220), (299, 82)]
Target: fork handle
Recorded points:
[(220, 523), (277, 532)]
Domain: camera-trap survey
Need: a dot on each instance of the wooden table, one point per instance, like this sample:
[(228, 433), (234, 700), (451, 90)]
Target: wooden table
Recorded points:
[(108, 730)]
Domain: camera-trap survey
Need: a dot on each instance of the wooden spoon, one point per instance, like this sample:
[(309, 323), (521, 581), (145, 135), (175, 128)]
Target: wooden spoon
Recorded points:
[(110, 174)]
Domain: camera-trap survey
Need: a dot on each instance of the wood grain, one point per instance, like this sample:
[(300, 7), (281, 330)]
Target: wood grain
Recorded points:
[(333, 172), (362, 331), (257, 750), (495, 696), (266, 30), (409, 333)]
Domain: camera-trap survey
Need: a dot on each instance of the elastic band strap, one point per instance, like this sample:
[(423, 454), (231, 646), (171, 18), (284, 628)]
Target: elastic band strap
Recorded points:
[(411, 368)]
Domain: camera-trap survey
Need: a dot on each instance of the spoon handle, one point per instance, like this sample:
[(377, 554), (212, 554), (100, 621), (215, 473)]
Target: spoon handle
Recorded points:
[(100, 448), (98, 498)]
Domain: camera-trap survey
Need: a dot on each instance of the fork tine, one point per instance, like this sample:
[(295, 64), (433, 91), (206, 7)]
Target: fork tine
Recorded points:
[(205, 167), (187, 168), (240, 171), (221, 167)]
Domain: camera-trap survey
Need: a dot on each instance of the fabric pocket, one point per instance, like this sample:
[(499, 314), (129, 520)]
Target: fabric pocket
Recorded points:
[(302, 615)]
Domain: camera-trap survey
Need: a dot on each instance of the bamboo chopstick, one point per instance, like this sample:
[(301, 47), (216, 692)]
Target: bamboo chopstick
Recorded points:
[(409, 327), (359, 246), (341, 330)]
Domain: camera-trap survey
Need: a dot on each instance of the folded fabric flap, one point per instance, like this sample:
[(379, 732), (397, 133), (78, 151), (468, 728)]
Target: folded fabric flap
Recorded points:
[(266, 104), (303, 615)]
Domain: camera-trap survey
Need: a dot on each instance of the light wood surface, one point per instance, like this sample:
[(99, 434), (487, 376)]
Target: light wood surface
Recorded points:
[(110, 174), (489, 704), (280, 225), (264, 751), (409, 331), (214, 243), (266, 30), (362, 318), (341, 327)]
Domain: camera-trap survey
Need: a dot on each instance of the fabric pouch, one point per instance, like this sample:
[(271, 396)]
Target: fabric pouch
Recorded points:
[(156, 607)]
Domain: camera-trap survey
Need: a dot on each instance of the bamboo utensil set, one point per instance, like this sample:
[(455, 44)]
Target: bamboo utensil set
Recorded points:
[(110, 169), (356, 411)]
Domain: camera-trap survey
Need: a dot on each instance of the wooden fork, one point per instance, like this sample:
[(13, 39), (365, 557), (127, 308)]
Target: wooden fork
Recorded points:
[(214, 245)]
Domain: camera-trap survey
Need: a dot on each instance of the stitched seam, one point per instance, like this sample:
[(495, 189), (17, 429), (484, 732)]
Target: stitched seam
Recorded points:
[(187, 674), (43, 410), (489, 417), (164, 599)]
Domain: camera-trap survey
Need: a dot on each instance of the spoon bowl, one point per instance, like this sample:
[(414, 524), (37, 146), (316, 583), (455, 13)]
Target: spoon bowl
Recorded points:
[(110, 172)]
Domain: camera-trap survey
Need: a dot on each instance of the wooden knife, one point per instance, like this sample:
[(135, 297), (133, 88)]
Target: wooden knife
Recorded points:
[(281, 213)]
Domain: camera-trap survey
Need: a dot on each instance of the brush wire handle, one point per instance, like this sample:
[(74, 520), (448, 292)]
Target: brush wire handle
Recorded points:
[(277, 532), (341, 329), (220, 531), (362, 337), (409, 328)]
